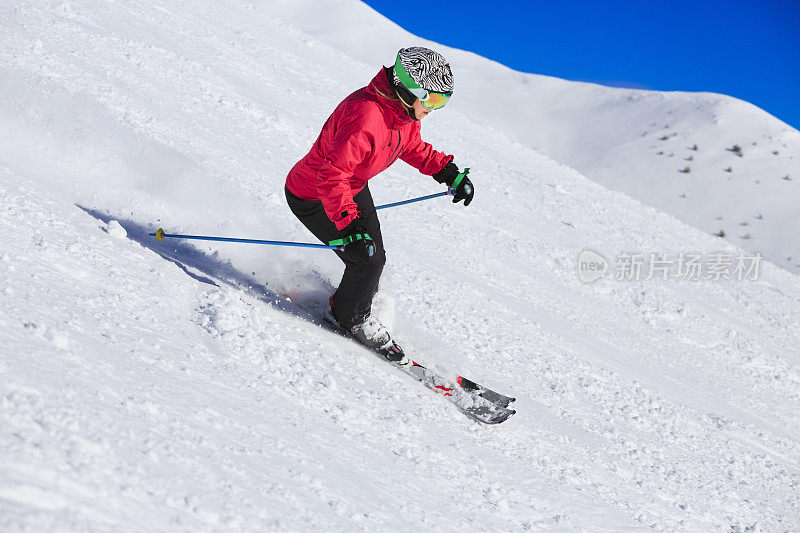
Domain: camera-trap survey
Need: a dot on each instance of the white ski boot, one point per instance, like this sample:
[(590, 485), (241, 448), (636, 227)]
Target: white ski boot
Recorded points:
[(374, 335)]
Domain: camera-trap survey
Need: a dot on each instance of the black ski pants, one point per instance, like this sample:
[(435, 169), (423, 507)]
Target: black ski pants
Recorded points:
[(352, 301)]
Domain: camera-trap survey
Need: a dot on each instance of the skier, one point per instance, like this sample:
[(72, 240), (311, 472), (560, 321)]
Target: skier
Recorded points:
[(327, 189)]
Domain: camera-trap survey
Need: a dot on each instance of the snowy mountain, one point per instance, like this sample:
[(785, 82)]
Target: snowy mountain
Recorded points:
[(675, 151), (172, 386)]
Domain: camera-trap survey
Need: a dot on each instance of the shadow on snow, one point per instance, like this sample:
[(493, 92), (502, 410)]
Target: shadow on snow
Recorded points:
[(207, 269)]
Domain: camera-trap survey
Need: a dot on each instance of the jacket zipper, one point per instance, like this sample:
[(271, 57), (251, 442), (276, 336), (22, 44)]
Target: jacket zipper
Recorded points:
[(392, 157)]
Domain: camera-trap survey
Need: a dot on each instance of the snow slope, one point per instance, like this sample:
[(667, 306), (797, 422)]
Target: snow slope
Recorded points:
[(671, 150), (148, 386)]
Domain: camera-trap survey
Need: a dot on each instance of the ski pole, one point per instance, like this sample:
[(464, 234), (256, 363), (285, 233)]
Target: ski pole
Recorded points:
[(449, 192), (160, 235)]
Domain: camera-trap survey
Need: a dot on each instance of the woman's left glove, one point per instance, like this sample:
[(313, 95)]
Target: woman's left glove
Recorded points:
[(458, 181)]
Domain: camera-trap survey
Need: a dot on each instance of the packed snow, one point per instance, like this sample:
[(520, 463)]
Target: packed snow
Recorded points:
[(187, 385)]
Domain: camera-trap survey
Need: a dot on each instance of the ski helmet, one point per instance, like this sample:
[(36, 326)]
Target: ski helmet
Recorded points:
[(422, 73)]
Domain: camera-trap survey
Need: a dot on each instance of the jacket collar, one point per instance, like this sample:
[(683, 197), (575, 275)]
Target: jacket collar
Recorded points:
[(383, 92)]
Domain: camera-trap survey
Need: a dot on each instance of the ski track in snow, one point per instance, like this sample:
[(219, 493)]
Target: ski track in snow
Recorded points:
[(163, 386)]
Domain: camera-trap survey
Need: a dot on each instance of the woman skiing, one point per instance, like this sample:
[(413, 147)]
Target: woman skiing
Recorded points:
[(327, 190)]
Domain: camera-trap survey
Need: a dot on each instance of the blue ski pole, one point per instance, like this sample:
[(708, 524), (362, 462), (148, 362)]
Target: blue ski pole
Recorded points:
[(448, 192), (160, 235)]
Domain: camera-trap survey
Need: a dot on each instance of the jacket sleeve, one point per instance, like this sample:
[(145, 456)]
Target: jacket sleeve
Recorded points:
[(423, 157), (351, 144)]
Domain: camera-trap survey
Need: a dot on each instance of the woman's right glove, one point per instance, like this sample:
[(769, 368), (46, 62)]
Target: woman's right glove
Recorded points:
[(358, 245), (458, 181)]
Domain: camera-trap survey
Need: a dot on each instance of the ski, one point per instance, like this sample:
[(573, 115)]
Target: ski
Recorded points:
[(475, 401), (494, 397), (470, 401)]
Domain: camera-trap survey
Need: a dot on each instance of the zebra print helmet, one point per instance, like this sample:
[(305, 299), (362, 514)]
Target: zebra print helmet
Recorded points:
[(427, 68)]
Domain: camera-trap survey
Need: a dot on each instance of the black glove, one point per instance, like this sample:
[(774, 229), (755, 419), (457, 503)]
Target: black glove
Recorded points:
[(462, 186), (358, 245)]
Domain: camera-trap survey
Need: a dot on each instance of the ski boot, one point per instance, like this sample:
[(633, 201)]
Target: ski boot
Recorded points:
[(374, 335)]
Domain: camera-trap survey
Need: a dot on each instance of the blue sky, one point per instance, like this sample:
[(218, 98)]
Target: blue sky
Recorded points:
[(750, 50)]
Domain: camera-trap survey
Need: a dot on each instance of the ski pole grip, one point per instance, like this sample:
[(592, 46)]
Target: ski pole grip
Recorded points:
[(459, 179)]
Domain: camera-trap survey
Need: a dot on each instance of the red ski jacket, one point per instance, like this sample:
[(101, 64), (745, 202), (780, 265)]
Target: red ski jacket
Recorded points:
[(366, 133)]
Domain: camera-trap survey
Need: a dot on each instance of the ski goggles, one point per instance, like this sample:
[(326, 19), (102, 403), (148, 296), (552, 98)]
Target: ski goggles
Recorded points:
[(430, 99)]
